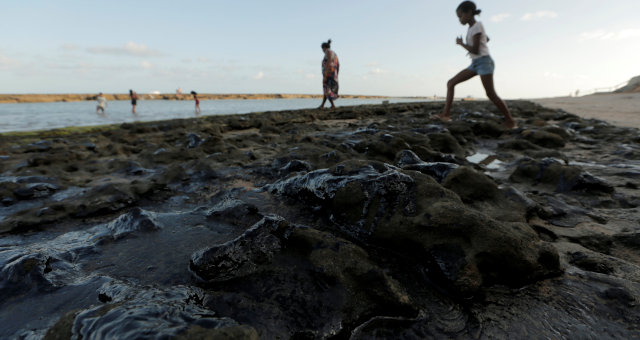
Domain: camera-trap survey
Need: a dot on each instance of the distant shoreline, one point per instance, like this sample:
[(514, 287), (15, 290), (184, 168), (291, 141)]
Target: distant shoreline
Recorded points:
[(50, 98)]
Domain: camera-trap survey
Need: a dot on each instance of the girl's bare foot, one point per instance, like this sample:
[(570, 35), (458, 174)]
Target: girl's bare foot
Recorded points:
[(511, 124), (442, 117)]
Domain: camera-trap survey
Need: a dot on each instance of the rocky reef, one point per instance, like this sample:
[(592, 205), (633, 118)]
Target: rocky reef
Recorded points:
[(363, 222)]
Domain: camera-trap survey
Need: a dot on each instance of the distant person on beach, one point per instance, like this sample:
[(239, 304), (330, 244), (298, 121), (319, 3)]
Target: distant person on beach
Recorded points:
[(330, 69), (195, 97), (134, 100), (481, 63), (102, 103)]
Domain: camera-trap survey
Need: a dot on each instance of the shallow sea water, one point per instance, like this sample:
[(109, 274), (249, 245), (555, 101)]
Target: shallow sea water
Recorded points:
[(41, 116)]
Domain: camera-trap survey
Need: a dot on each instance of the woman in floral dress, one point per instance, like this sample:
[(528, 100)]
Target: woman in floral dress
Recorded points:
[(330, 69)]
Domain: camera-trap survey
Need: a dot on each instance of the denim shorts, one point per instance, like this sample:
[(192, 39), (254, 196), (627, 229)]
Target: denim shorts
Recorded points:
[(482, 66)]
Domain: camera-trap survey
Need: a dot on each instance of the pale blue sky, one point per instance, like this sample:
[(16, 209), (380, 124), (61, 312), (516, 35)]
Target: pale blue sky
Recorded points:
[(542, 48)]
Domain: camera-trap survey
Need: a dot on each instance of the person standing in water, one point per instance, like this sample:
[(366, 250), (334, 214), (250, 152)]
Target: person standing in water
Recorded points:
[(102, 103), (195, 97), (481, 63), (330, 69), (134, 100)]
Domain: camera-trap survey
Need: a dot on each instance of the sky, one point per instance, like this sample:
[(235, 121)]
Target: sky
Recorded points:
[(542, 48)]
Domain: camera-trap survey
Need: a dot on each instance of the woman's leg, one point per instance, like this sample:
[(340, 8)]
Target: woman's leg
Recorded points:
[(332, 105), (324, 100), (487, 82), (462, 76)]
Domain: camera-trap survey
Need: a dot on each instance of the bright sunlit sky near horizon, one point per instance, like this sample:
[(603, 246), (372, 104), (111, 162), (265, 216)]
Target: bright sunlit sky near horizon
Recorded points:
[(542, 48)]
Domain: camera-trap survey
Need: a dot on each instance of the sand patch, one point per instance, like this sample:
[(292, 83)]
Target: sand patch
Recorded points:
[(621, 109)]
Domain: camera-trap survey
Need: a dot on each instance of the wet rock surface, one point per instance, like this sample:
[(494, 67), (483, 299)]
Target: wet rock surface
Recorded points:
[(363, 222)]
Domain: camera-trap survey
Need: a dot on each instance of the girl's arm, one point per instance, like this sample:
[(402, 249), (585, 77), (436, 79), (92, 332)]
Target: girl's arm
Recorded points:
[(473, 49)]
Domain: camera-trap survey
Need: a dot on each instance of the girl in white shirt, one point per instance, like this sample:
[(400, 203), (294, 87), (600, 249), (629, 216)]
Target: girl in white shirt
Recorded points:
[(481, 63), (102, 103)]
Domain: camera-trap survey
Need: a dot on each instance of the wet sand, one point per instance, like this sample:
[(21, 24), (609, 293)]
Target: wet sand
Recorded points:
[(621, 109)]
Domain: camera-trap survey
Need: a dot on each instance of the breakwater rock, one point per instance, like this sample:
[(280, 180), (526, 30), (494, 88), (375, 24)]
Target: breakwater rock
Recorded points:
[(363, 222)]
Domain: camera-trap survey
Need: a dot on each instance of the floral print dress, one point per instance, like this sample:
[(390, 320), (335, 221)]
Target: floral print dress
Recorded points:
[(330, 69)]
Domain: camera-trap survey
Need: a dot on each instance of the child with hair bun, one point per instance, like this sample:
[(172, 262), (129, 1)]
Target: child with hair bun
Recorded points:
[(481, 63)]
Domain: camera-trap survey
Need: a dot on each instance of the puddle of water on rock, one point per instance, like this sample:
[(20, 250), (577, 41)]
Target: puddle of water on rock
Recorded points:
[(160, 257), (489, 161), (157, 257), (587, 164), (67, 193), (629, 165), (6, 211), (33, 314)]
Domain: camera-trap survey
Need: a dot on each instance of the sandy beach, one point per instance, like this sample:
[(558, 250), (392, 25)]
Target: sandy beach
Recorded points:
[(621, 109)]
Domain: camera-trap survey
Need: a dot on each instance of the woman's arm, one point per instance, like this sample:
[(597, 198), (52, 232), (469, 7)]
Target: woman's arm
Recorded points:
[(329, 67), (331, 63)]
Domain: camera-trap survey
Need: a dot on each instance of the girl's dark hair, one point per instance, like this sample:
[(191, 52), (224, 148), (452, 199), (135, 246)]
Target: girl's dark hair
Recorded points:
[(326, 44), (467, 6)]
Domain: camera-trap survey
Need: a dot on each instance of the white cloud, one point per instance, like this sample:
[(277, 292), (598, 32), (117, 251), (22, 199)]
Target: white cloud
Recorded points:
[(610, 35), (259, 76), (596, 35), (6, 62), (539, 15), (629, 33), (377, 70), (500, 17), (553, 75), (306, 75), (129, 49), (70, 47), (146, 65)]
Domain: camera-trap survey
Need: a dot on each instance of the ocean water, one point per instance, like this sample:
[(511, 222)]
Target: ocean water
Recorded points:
[(43, 116)]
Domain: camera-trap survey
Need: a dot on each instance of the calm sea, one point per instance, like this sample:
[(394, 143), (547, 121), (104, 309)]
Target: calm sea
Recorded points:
[(42, 116)]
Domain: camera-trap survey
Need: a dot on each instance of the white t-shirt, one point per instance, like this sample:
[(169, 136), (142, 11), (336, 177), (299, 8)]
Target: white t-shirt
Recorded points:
[(102, 101), (473, 30)]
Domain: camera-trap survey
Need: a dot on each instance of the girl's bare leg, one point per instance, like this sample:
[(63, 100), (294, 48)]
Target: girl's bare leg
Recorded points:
[(487, 82), (462, 76)]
